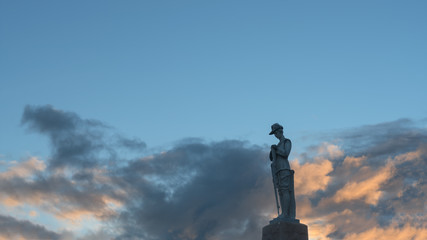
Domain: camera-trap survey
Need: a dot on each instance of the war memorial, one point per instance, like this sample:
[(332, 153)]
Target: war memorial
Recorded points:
[(285, 226)]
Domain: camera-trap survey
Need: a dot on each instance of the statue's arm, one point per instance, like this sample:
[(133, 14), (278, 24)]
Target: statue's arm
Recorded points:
[(286, 150), (273, 174)]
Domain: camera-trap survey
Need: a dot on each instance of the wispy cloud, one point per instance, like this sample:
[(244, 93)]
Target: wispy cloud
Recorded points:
[(11, 228), (369, 184)]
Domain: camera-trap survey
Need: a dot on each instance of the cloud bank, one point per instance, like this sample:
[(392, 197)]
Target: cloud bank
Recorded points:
[(369, 184)]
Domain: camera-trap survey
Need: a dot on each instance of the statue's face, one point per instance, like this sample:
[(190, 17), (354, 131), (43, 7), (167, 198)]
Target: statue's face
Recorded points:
[(279, 133)]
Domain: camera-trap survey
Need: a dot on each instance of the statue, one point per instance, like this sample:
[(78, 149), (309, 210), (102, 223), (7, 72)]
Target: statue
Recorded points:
[(285, 226), (283, 176)]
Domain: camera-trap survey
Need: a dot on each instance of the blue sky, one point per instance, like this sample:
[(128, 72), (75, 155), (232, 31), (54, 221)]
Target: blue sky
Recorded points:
[(163, 71), (215, 69)]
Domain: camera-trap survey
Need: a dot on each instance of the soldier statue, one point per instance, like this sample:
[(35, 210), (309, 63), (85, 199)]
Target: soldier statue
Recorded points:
[(283, 176)]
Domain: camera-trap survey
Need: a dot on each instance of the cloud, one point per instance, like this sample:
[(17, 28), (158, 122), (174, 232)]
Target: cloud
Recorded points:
[(367, 189), (198, 191), (363, 182), (367, 195), (133, 144), (11, 228), (312, 176), (396, 233), (33, 213), (24, 169), (329, 150), (62, 196), (75, 141), (354, 161)]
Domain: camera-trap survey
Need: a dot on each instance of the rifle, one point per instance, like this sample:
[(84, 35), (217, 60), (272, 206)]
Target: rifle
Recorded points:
[(273, 173)]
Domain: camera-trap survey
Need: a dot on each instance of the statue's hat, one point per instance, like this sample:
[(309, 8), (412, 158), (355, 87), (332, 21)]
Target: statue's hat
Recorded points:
[(275, 127)]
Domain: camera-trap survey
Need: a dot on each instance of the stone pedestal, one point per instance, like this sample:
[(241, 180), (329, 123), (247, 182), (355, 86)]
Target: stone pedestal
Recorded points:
[(285, 231)]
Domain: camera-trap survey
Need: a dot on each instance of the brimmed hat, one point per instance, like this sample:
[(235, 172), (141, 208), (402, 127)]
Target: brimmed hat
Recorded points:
[(275, 127)]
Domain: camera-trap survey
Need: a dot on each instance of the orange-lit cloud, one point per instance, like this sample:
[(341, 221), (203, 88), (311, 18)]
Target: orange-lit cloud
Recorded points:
[(330, 150), (354, 161), (312, 177), (392, 232), (319, 230), (24, 169), (32, 213), (367, 189), (63, 199), (410, 156), (10, 201)]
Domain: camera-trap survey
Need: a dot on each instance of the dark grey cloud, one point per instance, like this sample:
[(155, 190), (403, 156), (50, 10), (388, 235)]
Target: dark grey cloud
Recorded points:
[(11, 228), (75, 141), (46, 119), (197, 191), (132, 144), (389, 138)]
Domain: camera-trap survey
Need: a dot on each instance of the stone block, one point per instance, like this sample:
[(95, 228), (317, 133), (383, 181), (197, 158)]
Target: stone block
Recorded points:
[(285, 231)]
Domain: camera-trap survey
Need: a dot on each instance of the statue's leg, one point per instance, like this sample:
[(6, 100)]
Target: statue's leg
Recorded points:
[(284, 193), (292, 207), (285, 201)]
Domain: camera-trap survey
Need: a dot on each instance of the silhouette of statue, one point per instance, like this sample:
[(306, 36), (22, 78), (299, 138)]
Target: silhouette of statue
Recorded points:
[(283, 176)]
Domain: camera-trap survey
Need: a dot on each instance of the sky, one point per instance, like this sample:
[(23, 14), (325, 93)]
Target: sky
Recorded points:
[(150, 119)]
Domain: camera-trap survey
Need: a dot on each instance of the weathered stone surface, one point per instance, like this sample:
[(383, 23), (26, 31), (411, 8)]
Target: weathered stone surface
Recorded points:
[(285, 231)]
